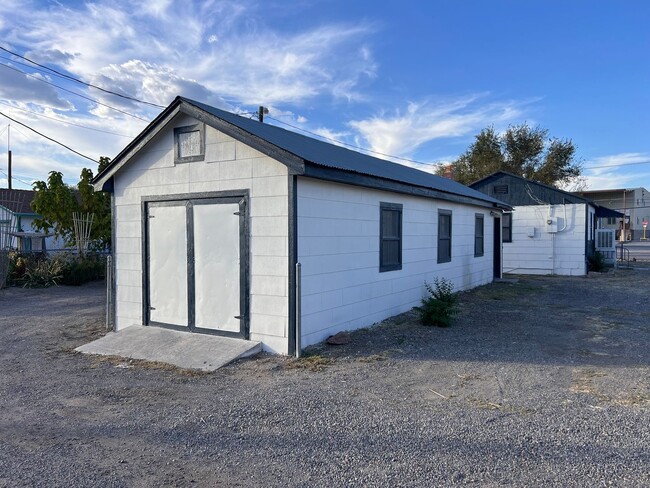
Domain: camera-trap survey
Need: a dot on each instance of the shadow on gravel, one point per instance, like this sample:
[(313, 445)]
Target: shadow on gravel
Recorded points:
[(598, 320)]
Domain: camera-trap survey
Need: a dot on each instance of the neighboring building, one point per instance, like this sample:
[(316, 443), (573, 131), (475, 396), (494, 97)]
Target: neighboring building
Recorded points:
[(213, 212), (633, 202), (17, 227), (550, 231)]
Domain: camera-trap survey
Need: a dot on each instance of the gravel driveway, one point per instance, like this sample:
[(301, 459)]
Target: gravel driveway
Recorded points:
[(543, 382)]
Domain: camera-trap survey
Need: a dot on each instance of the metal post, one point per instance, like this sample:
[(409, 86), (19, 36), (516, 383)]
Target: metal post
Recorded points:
[(109, 291), (298, 309)]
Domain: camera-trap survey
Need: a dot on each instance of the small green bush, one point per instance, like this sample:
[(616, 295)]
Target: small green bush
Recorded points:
[(79, 270), (439, 308), (41, 272)]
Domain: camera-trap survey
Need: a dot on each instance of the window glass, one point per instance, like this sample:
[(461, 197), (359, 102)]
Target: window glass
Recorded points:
[(444, 236), (506, 227), (390, 237), (478, 235)]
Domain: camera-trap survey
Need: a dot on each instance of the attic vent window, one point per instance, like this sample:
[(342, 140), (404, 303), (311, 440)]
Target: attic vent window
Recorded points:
[(189, 143), (500, 189)]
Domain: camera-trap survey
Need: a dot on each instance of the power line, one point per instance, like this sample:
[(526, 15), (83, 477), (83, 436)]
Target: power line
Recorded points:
[(351, 145), (64, 121), (617, 165), (74, 93), (49, 138), (15, 178), (77, 80)]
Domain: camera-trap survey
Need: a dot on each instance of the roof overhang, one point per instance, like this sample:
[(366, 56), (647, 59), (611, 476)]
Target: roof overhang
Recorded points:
[(296, 164), (181, 106)]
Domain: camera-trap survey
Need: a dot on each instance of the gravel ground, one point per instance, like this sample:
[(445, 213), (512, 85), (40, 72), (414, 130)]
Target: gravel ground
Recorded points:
[(543, 382)]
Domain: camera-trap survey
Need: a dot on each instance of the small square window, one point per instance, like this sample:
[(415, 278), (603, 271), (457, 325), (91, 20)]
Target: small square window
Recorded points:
[(189, 143)]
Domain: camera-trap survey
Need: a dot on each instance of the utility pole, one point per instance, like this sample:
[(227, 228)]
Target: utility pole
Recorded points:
[(8, 157), (260, 113)]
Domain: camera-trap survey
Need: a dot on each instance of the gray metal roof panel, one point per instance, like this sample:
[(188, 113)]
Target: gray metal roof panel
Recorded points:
[(333, 156)]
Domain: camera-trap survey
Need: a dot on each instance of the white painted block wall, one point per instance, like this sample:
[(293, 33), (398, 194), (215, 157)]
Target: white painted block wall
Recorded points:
[(338, 248), (546, 253), (228, 165)]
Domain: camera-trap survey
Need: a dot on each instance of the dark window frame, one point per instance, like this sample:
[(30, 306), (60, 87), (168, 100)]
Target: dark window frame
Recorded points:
[(479, 240), (506, 227), (200, 128), (396, 208), (446, 239)]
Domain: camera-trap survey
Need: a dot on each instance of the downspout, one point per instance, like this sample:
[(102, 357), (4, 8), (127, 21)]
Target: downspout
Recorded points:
[(293, 289)]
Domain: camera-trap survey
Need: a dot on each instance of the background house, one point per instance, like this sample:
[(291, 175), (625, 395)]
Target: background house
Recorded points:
[(213, 212), (550, 231), (17, 227), (633, 202)]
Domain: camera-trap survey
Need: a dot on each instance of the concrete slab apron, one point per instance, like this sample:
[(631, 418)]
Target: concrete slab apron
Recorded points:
[(182, 349)]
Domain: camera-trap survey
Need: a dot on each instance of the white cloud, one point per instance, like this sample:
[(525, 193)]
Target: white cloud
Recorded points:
[(19, 87), (623, 170), (606, 164), (403, 132), (251, 63)]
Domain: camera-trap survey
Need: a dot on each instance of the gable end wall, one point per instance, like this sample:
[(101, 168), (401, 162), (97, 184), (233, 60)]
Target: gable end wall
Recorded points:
[(228, 165)]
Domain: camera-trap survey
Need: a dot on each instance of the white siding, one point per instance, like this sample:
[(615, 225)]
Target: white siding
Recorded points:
[(562, 252), (338, 247), (228, 165)]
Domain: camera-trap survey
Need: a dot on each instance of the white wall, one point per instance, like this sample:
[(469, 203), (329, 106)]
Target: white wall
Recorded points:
[(26, 223), (338, 248), (228, 165), (561, 253), (51, 243)]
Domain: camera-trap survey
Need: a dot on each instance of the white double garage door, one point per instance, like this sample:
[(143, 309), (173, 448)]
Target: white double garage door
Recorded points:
[(196, 266)]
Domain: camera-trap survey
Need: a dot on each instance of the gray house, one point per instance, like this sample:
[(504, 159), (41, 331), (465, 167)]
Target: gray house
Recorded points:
[(214, 212)]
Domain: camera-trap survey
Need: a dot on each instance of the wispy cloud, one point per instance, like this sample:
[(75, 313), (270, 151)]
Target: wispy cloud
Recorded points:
[(238, 56), (403, 132), (623, 170)]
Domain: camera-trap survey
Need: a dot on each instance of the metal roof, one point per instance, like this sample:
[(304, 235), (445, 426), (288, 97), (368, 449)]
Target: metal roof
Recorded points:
[(17, 201), (312, 151), (601, 211)]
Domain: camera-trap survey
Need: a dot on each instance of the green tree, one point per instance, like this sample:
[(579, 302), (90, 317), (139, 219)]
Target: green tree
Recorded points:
[(522, 150), (55, 202)]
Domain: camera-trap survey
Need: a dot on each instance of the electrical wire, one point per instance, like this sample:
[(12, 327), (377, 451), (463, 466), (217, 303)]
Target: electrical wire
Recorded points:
[(63, 121), (15, 178), (77, 80), (73, 92), (617, 165), (351, 145), (49, 138)]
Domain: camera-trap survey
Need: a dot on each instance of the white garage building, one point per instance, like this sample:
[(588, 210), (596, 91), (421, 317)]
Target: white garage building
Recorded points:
[(212, 213)]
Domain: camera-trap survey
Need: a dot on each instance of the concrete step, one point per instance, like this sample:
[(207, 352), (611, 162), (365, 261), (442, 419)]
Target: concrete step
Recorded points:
[(182, 349)]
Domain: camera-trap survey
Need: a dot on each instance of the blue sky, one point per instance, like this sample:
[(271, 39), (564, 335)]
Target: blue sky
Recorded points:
[(415, 80)]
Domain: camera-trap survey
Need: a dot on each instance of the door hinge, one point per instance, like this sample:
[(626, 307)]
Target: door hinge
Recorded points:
[(151, 216), (152, 308), (237, 213), (239, 317)]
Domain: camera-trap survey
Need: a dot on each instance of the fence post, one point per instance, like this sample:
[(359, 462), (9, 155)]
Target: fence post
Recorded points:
[(109, 291)]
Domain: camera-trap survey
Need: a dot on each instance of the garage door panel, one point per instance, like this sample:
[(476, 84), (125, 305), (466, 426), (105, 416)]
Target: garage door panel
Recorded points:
[(168, 290), (217, 266)]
